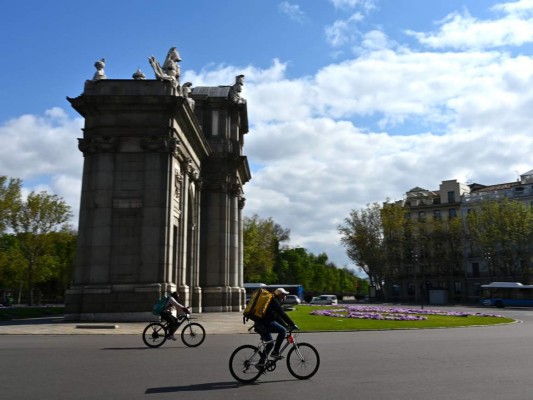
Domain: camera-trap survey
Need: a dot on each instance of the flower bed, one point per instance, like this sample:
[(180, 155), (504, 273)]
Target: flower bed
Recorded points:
[(391, 313)]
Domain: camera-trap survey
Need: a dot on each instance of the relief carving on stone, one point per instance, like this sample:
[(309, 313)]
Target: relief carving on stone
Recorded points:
[(104, 144), (159, 144), (235, 187), (192, 172), (223, 182), (178, 183)]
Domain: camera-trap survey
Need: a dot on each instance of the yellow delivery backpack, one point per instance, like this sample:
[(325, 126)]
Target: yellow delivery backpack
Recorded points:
[(257, 306)]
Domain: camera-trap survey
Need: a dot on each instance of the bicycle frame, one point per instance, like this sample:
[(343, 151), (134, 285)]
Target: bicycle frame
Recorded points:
[(248, 362), (290, 339)]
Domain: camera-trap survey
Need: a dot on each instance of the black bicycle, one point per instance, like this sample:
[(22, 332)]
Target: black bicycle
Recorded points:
[(302, 359), (156, 333)]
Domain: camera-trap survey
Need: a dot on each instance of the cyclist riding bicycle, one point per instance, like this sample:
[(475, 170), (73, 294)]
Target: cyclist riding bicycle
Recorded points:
[(168, 315), (275, 320)]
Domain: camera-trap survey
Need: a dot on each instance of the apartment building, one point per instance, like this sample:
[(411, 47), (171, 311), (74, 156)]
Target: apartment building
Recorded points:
[(424, 281)]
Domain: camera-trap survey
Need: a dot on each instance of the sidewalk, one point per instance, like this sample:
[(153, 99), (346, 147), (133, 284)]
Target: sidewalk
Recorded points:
[(214, 323)]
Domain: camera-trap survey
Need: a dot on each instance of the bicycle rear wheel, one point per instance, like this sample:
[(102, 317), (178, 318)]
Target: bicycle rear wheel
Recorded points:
[(303, 361), (155, 334), (243, 363), (193, 334)]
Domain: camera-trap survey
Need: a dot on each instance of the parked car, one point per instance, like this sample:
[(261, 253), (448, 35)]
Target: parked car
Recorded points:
[(327, 299), (292, 300)]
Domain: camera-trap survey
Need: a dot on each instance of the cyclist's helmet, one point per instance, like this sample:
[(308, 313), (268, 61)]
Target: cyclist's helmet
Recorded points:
[(279, 291)]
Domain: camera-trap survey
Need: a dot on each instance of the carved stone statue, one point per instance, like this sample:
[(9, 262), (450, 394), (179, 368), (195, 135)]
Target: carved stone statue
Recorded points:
[(170, 71), (186, 90), (236, 89), (139, 75), (99, 74)]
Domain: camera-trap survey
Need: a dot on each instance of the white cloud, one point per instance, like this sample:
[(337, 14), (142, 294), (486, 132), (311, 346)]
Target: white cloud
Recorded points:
[(522, 8), (462, 31), (344, 31), (31, 146), (292, 11), (42, 152), (366, 5), (375, 40)]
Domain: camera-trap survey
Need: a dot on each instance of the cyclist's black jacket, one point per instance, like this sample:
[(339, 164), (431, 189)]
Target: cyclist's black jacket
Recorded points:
[(275, 312)]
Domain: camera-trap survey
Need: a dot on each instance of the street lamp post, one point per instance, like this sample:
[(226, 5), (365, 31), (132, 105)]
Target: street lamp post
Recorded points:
[(487, 255), (414, 256)]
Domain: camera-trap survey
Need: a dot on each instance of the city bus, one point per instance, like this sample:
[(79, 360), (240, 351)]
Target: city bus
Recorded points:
[(507, 294), (297, 290)]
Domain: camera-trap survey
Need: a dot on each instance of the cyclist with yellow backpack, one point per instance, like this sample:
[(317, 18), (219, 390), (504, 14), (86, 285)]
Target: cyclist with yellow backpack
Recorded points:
[(275, 320)]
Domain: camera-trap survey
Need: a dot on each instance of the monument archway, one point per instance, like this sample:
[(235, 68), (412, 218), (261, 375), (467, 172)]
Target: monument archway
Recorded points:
[(162, 194)]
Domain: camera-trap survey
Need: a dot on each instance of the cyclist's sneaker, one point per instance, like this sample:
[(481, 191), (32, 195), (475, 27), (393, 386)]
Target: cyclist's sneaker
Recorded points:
[(171, 337), (261, 364), (276, 356)]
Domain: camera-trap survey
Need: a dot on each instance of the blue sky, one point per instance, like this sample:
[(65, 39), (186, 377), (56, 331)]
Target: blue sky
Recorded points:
[(350, 101)]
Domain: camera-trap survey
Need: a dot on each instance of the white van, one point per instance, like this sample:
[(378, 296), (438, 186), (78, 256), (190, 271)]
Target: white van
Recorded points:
[(329, 299)]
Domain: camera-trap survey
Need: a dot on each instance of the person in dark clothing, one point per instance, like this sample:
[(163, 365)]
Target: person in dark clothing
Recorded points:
[(275, 320), (168, 314)]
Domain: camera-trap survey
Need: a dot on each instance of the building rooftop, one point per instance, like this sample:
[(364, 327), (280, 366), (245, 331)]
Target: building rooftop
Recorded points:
[(211, 91)]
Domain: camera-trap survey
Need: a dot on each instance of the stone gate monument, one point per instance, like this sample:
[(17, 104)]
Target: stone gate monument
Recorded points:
[(162, 195)]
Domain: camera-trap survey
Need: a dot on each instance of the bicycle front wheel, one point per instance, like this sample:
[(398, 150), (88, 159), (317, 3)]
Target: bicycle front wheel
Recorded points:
[(243, 363), (303, 361), (155, 334), (193, 334)]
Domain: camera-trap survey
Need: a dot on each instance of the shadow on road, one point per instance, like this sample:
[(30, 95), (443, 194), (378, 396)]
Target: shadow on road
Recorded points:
[(33, 321), (208, 386), (194, 388), (127, 348)]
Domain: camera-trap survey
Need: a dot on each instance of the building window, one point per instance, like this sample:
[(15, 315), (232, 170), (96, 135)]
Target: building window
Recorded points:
[(436, 214), (421, 215), (475, 270), (451, 197), (214, 123), (452, 213), (458, 287), (411, 289)]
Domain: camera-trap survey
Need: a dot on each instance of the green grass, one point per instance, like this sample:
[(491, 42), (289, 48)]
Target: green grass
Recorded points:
[(307, 322), (9, 313)]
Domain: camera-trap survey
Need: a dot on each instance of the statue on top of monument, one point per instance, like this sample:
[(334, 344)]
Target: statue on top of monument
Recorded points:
[(170, 71), (99, 74), (236, 89), (186, 90)]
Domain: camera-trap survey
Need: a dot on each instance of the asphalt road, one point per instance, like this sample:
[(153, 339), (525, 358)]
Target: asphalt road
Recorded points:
[(464, 363)]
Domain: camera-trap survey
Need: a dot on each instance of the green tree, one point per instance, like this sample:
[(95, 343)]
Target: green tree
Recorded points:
[(12, 263), (9, 198), (503, 232), (262, 239), (316, 273), (362, 235), (33, 221)]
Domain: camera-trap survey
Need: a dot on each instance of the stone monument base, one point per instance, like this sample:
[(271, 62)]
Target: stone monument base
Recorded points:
[(114, 302)]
